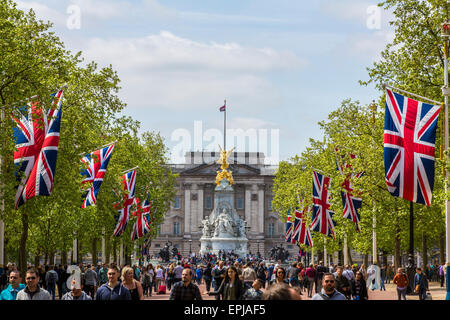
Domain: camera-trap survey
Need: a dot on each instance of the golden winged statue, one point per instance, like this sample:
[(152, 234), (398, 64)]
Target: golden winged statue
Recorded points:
[(224, 174)]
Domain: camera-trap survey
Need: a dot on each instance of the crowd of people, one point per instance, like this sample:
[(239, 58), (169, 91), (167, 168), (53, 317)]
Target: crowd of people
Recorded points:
[(224, 277)]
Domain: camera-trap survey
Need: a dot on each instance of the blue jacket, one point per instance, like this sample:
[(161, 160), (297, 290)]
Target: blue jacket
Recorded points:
[(10, 294), (118, 293)]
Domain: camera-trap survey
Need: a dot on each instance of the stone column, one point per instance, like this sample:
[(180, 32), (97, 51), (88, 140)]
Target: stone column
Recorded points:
[(187, 209), (261, 206), (254, 210), (248, 204), (199, 208)]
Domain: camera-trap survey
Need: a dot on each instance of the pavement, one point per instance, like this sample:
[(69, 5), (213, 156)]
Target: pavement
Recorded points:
[(437, 293)]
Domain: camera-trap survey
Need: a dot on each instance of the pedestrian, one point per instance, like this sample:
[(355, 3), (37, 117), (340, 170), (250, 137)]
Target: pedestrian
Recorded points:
[(328, 291), (90, 281), (170, 276), (402, 282), (310, 274), (15, 285), (185, 289), (262, 273), (51, 279), (198, 275), (134, 286), (320, 271), (442, 274), (102, 275), (32, 291), (292, 274), (218, 275), (159, 277), (3, 277), (254, 293), (280, 276), (348, 273), (145, 281), (113, 289), (359, 288), (341, 283), (178, 270), (420, 284), (60, 271), (388, 273), (281, 291), (382, 278), (76, 292), (231, 288), (363, 271), (207, 276), (249, 275), (151, 273)]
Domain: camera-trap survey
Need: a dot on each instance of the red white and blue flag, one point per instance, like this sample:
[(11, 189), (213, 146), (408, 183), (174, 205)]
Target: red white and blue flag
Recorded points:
[(37, 138), (409, 147), (350, 203), (96, 164), (141, 227), (129, 183), (322, 215), (289, 228), (296, 226), (302, 233)]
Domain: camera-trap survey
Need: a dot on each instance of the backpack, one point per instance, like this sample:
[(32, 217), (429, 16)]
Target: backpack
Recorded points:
[(52, 277)]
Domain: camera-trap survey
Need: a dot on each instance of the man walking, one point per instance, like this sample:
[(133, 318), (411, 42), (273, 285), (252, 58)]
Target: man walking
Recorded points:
[(102, 275), (15, 285), (178, 270), (321, 270), (90, 281), (421, 284), (185, 289), (402, 281), (51, 279), (328, 291), (113, 290), (32, 291)]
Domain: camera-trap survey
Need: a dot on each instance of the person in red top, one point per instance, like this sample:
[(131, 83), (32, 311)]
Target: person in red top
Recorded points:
[(310, 274), (402, 282)]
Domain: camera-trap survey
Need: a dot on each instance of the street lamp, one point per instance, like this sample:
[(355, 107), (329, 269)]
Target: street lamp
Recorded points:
[(190, 247)]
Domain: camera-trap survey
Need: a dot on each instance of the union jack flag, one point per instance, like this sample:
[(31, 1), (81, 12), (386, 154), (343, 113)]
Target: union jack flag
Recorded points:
[(322, 215), (350, 203), (141, 226), (289, 228), (304, 234), (96, 163), (37, 138), (297, 226), (129, 183), (409, 146)]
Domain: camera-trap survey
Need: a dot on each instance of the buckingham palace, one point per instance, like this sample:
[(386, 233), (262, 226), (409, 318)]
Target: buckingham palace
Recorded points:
[(194, 200)]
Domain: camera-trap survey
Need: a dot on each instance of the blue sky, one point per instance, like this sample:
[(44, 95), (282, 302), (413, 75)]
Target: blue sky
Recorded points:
[(283, 66)]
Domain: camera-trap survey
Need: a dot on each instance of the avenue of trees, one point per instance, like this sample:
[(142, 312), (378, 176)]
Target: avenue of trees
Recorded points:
[(414, 61), (34, 62)]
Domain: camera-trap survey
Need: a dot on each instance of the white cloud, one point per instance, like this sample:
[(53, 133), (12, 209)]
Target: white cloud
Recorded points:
[(164, 70), (102, 9), (43, 12)]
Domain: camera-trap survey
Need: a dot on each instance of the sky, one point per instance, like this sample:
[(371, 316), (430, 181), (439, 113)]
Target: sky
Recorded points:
[(282, 66)]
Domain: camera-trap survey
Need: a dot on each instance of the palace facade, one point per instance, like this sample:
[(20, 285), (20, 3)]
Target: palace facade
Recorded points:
[(253, 181)]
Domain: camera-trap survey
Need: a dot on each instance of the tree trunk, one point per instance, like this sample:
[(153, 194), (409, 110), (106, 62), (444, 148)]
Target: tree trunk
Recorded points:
[(320, 256), (366, 260), (340, 257), (384, 258), (397, 252), (94, 252), (107, 251), (79, 257), (442, 248), (424, 252), (37, 260), (51, 258), (64, 257), (114, 252), (23, 244), (350, 260)]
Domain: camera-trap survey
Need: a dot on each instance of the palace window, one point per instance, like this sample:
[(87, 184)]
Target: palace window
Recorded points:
[(176, 228), (270, 204), (240, 203), (176, 204), (208, 203), (271, 229)]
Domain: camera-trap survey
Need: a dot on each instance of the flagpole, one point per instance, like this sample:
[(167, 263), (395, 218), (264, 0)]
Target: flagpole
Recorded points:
[(225, 127), (445, 90), (106, 145), (137, 167), (385, 85)]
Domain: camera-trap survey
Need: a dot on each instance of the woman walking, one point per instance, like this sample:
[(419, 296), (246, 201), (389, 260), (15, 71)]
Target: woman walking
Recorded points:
[(232, 288), (129, 282), (359, 288), (145, 281), (159, 277), (207, 276)]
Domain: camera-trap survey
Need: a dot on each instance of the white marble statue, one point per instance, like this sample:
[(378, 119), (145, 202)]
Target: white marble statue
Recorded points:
[(223, 224)]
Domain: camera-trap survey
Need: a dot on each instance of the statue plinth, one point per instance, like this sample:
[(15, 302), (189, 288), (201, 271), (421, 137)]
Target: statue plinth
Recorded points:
[(224, 229)]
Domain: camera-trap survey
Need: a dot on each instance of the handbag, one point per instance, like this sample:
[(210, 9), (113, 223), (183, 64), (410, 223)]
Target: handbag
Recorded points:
[(417, 288)]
